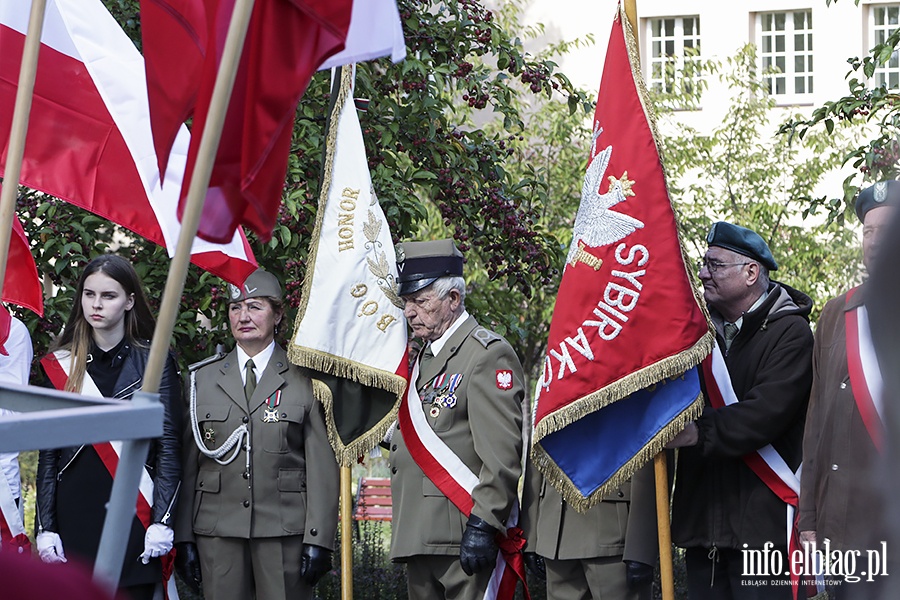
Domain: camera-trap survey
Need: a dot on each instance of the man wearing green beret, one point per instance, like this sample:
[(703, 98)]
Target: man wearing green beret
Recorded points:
[(258, 509), (722, 505), (839, 498), (457, 450)]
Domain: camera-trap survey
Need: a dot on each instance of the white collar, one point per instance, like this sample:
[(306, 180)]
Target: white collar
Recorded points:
[(260, 361), (438, 344), (756, 305)]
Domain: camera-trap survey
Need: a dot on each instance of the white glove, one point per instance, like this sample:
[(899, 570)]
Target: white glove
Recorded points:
[(157, 541), (50, 548)]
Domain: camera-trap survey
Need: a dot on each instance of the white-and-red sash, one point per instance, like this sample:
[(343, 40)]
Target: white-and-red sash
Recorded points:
[(57, 367), (456, 481), (12, 528), (865, 376), (766, 463)]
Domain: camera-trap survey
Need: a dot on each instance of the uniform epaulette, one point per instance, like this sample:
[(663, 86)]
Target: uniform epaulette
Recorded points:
[(207, 361), (485, 336)]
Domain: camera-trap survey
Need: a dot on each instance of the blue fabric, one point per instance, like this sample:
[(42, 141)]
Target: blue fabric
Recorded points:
[(593, 448)]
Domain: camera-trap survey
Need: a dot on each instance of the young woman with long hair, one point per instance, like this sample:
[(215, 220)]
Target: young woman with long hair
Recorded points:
[(103, 351)]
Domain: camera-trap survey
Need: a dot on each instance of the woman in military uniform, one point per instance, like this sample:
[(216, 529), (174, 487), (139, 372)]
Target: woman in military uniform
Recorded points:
[(259, 513)]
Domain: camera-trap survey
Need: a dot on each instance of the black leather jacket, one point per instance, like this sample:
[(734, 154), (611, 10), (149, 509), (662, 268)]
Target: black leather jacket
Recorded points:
[(163, 459)]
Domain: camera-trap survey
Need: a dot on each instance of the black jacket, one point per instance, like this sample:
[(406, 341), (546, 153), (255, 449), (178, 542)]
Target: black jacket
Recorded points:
[(718, 500), (163, 459)]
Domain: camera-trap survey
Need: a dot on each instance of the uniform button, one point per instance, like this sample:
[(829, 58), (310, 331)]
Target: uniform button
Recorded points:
[(246, 503), (245, 475), (245, 419), (201, 484), (284, 415), (621, 494), (843, 385), (834, 467), (208, 415), (398, 426), (394, 448), (394, 470), (313, 532)]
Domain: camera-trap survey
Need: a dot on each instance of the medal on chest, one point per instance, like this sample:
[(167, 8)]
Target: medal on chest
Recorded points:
[(441, 393), (270, 413)]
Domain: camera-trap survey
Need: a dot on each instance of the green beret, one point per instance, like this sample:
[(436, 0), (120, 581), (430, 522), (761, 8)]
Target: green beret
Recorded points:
[(260, 284), (419, 264), (743, 241), (883, 193)]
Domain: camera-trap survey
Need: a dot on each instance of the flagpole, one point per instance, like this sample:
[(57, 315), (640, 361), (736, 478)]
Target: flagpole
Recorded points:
[(196, 196), (19, 129), (346, 536)]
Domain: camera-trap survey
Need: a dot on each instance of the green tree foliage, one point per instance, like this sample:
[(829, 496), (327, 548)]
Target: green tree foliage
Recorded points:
[(432, 167), (877, 108), (741, 172)]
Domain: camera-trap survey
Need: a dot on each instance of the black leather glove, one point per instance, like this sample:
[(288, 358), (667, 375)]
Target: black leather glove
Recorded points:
[(535, 564), (315, 561), (637, 573), (478, 550), (187, 565)]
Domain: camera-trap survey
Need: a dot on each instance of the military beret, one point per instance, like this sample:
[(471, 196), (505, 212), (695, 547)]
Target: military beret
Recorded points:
[(419, 264), (260, 284), (743, 241), (883, 193)]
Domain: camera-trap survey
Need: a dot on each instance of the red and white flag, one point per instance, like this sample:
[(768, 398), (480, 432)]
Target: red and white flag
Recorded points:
[(351, 322), (21, 284), (287, 41), (89, 140)]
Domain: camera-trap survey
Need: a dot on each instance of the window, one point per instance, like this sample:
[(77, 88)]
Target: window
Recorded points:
[(785, 43), (674, 53), (885, 20)]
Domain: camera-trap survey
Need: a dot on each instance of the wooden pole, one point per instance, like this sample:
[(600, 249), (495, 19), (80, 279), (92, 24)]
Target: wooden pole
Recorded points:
[(631, 13), (666, 575), (190, 222), (346, 535), (19, 128)]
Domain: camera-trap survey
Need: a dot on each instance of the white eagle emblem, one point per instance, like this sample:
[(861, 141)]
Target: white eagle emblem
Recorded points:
[(504, 379), (595, 224)]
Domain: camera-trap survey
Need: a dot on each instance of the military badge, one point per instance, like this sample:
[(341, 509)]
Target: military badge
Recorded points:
[(270, 413), (234, 290), (209, 434), (504, 379)]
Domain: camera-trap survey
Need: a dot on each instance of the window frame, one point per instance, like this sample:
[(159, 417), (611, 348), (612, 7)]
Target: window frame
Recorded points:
[(678, 56), (893, 66), (790, 53)]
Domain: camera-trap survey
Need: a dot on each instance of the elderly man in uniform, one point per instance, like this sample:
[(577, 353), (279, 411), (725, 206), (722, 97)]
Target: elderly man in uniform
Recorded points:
[(721, 505), (464, 418), (259, 502), (839, 499), (606, 553)]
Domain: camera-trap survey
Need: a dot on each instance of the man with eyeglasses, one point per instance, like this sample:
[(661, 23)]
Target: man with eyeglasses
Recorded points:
[(840, 500), (721, 506), (456, 452)]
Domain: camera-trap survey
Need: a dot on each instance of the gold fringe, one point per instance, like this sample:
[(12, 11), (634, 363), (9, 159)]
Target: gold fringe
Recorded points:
[(559, 480), (347, 454), (346, 368), (317, 360), (330, 146), (672, 366)]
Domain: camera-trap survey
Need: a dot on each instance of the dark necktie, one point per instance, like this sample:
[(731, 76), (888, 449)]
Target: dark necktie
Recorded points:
[(250, 381), (425, 358), (731, 330)]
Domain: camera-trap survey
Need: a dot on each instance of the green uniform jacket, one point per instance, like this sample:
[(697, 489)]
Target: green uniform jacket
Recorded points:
[(292, 484), (484, 430), (623, 523)]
